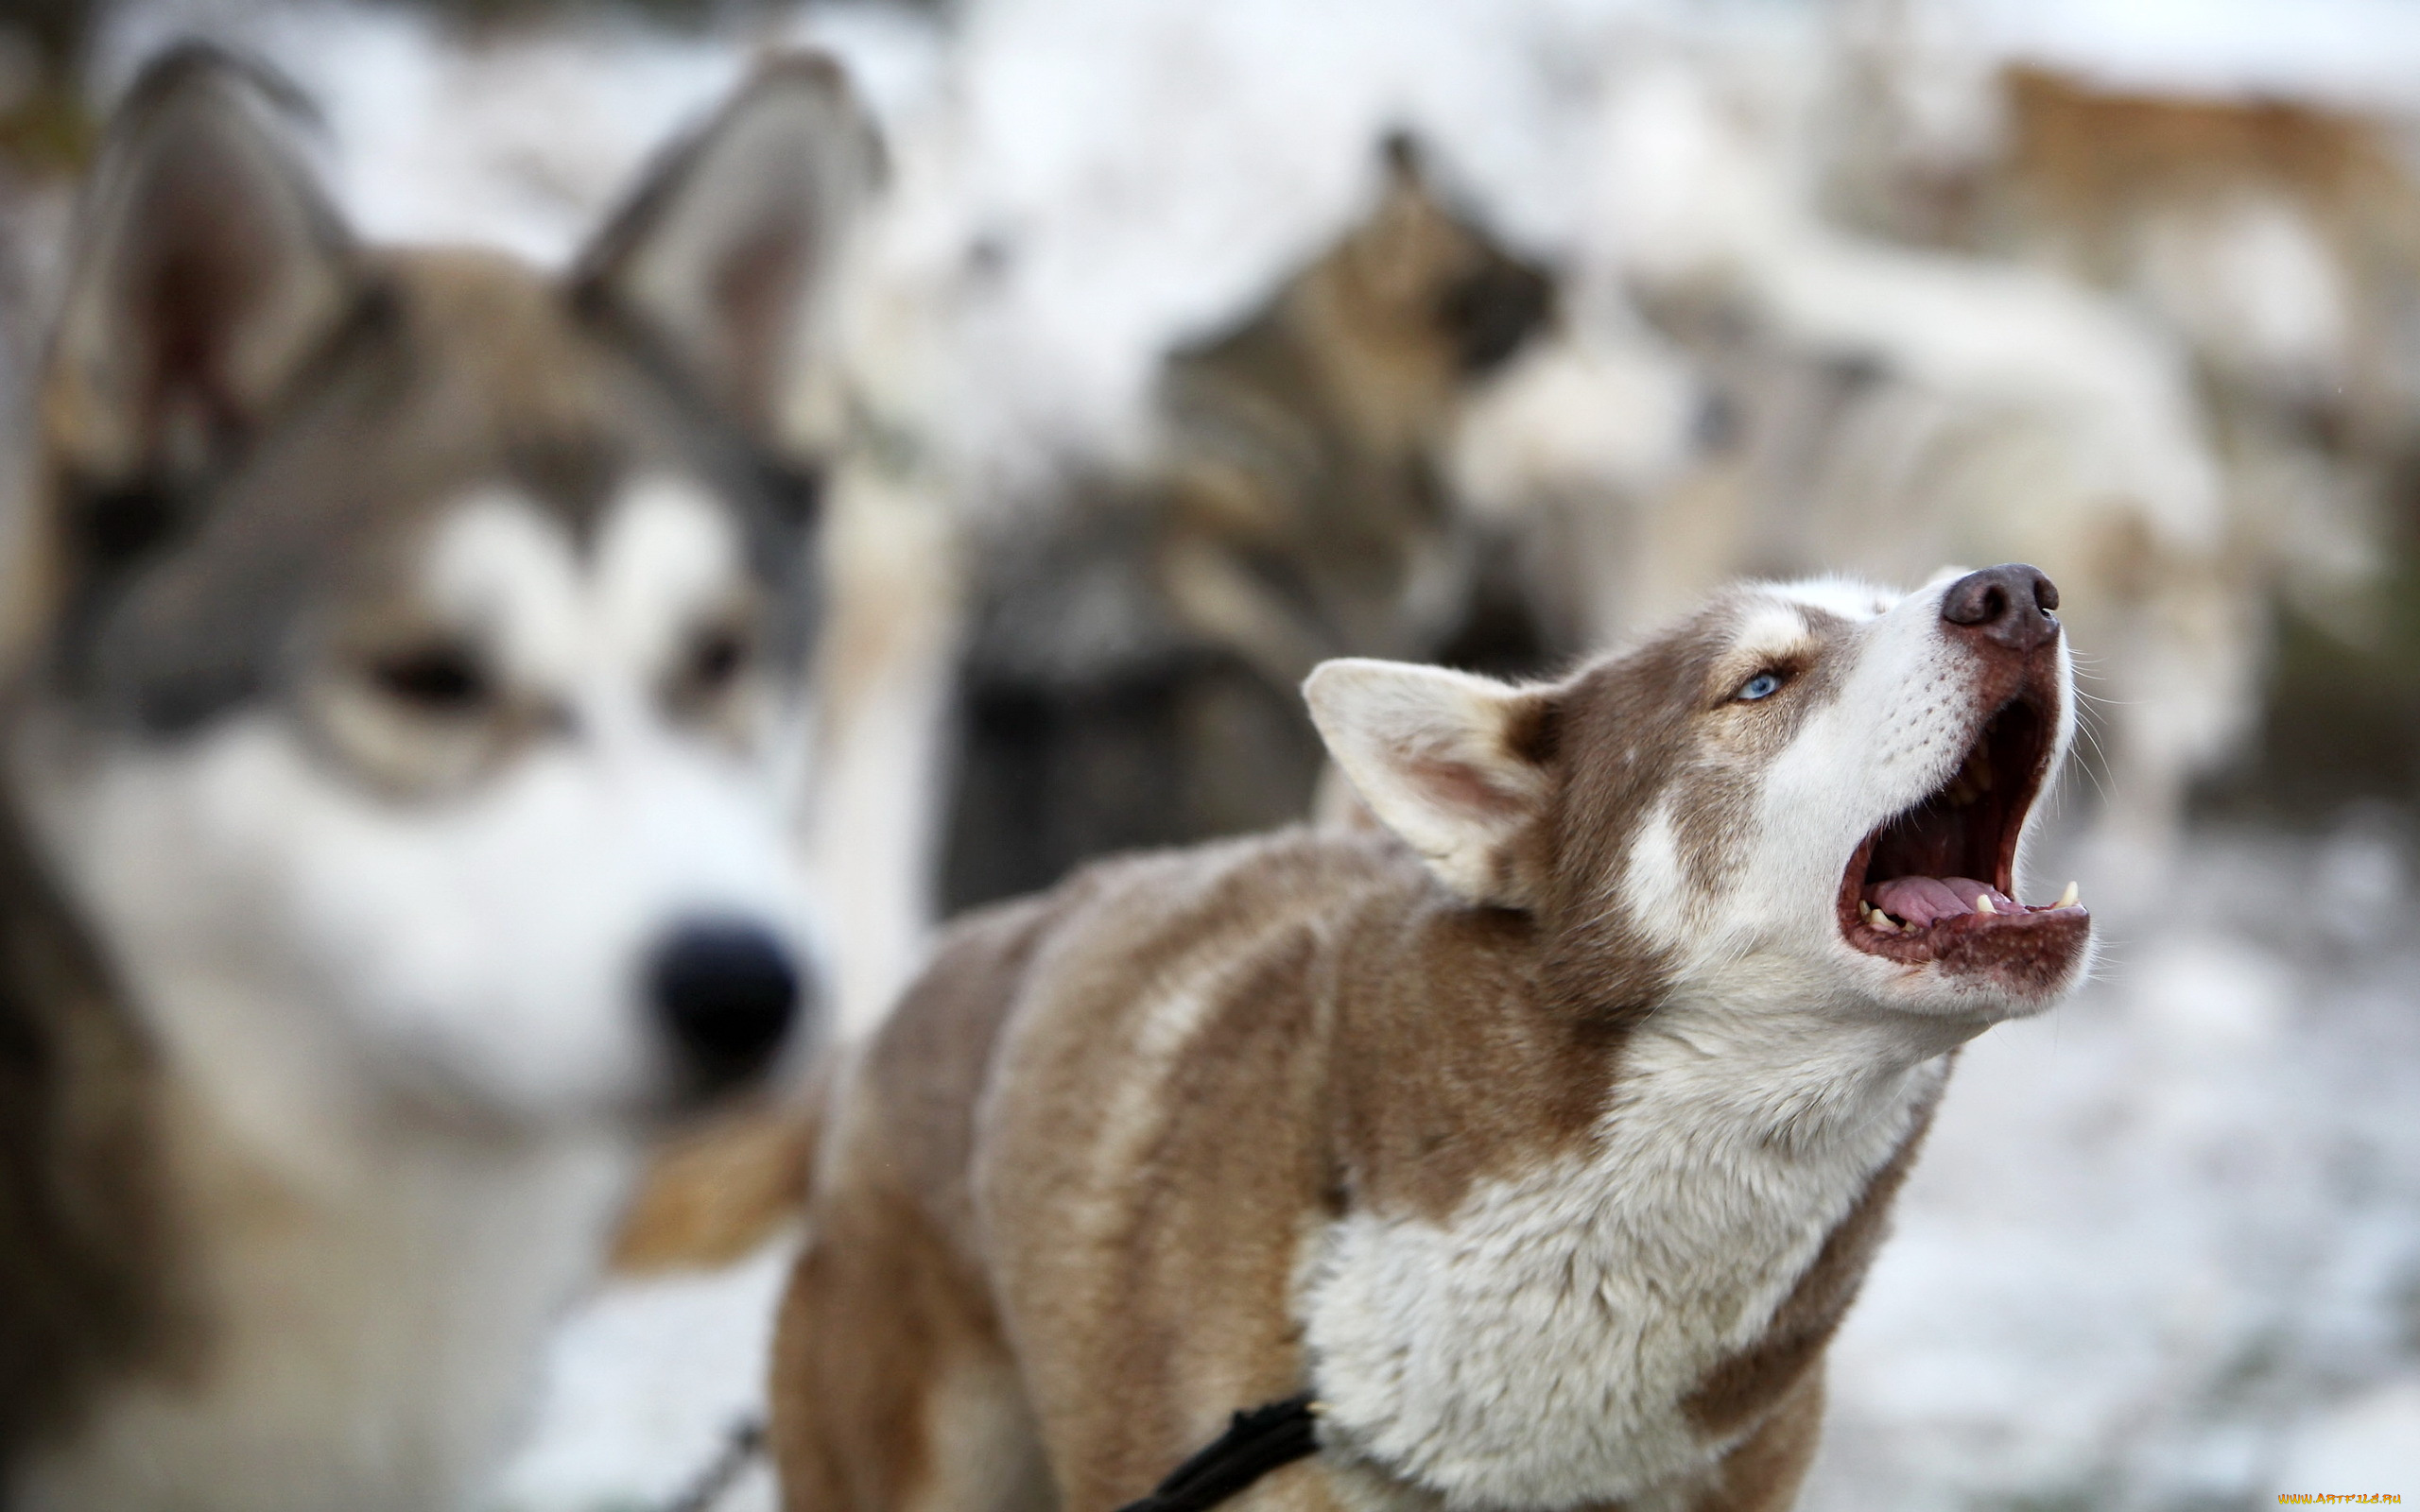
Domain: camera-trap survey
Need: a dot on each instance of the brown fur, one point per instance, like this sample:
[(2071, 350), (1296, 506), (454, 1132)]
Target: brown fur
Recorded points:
[(1763, 1474), (716, 1194), (2085, 151), (2086, 170), (895, 1234), (1303, 462), (1077, 1167), (87, 1296), (1602, 963), (1147, 1275), (1295, 511)]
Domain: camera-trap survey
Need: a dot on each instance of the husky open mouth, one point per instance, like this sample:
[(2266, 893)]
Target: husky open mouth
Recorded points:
[(1937, 882)]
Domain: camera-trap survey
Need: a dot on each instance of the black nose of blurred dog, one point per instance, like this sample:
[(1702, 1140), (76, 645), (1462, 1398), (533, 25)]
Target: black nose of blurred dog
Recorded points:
[(2009, 604), (728, 992)]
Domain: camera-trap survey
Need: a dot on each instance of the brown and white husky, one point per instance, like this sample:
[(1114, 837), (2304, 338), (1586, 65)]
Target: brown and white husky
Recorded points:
[(407, 691), (1543, 1136)]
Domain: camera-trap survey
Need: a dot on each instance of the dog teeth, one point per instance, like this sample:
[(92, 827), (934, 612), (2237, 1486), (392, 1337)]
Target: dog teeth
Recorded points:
[(2068, 898), (1984, 904)]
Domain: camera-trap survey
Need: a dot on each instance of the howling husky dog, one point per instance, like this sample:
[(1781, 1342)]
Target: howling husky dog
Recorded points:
[(1545, 1139), (404, 703)]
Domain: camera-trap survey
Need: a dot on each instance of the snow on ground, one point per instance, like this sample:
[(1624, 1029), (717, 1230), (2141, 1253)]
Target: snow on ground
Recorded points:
[(645, 1389)]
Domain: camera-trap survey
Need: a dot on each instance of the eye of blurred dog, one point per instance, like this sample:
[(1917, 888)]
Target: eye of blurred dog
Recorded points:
[(440, 678), (718, 658), (1491, 313), (1763, 685)]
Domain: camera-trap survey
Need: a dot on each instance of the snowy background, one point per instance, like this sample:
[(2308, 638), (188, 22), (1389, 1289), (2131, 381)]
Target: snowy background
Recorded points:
[(2164, 1249)]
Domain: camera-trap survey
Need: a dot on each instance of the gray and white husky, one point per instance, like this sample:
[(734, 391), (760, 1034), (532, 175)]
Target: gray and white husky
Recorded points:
[(407, 685)]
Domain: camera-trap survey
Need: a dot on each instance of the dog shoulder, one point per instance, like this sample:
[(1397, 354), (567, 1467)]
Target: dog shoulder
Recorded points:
[(916, 1090), (1158, 969)]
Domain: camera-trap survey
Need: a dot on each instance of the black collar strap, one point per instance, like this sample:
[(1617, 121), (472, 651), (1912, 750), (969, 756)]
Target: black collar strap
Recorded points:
[(1266, 1439)]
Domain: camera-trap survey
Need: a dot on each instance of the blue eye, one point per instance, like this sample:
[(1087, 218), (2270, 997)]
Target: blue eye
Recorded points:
[(1763, 685)]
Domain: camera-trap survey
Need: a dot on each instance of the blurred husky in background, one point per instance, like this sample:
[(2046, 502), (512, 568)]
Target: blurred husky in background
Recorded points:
[(1131, 657), (1876, 409), (2281, 239), (2278, 241), (406, 689)]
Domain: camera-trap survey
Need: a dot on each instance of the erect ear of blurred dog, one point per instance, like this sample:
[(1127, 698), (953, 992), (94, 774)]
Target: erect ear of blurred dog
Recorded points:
[(1130, 679), (726, 250), (409, 690), (1306, 517), (209, 268)]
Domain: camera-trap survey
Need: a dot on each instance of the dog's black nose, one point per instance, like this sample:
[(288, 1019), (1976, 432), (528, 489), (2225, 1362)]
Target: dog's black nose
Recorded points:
[(2009, 604), (728, 991)]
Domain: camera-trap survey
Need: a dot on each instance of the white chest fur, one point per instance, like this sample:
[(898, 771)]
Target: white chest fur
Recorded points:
[(370, 1351), (1534, 1349)]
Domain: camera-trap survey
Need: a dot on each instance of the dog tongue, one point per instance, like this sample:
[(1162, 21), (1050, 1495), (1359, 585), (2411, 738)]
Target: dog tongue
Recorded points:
[(1922, 900)]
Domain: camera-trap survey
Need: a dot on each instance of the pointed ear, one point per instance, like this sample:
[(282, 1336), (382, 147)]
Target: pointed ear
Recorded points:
[(1454, 764), (208, 268), (1394, 245), (719, 257)]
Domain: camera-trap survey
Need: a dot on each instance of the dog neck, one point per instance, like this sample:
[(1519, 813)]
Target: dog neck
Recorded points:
[(1810, 1074), (1579, 1299)]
